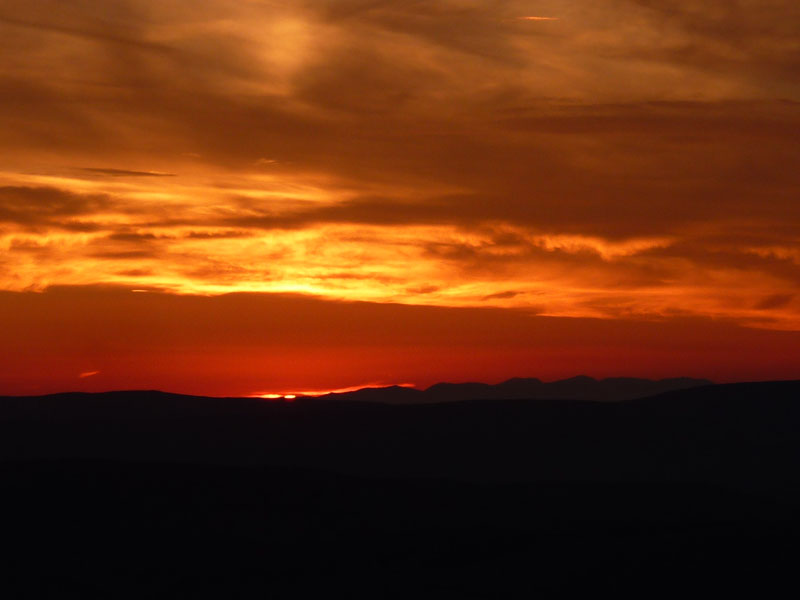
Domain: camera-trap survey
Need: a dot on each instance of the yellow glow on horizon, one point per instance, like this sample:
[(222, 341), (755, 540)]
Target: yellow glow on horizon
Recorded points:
[(324, 392)]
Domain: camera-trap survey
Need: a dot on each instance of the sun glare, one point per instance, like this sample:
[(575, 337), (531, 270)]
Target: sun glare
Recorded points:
[(324, 392)]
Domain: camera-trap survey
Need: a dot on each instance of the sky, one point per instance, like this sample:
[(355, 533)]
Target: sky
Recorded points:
[(241, 198)]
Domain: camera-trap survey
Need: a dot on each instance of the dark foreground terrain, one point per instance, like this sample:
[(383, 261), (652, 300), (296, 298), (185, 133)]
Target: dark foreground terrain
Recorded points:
[(142, 494)]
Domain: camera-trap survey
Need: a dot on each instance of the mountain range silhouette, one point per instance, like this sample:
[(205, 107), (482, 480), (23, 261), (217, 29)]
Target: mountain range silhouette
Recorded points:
[(151, 402), (581, 387)]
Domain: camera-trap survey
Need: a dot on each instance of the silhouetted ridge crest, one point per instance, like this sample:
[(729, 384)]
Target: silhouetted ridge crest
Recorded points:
[(580, 387), (154, 403)]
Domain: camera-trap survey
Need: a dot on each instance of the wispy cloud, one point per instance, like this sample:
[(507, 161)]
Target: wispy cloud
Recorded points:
[(126, 173)]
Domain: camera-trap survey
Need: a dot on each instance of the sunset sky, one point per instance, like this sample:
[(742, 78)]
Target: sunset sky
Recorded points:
[(267, 196)]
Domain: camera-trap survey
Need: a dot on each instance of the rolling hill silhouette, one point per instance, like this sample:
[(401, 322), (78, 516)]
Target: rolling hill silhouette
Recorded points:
[(151, 403), (119, 494)]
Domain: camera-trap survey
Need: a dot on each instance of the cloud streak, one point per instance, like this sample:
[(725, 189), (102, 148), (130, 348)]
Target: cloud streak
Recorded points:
[(126, 173)]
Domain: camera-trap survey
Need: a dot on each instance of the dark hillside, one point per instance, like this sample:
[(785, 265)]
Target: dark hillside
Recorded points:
[(119, 494)]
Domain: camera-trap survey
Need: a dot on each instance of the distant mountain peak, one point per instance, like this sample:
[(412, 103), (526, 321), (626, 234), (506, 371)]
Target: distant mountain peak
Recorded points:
[(579, 387), (516, 380), (578, 378)]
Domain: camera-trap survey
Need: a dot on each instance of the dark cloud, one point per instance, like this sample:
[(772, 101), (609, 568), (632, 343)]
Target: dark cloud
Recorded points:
[(365, 210), (35, 206), (502, 295), (27, 246), (216, 235), (124, 254), (135, 272), (775, 301), (134, 238), (126, 173), (49, 25), (425, 289), (732, 253), (740, 21)]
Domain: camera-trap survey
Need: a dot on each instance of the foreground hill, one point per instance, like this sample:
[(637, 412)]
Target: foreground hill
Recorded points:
[(142, 493), (737, 434), (99, 529)]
